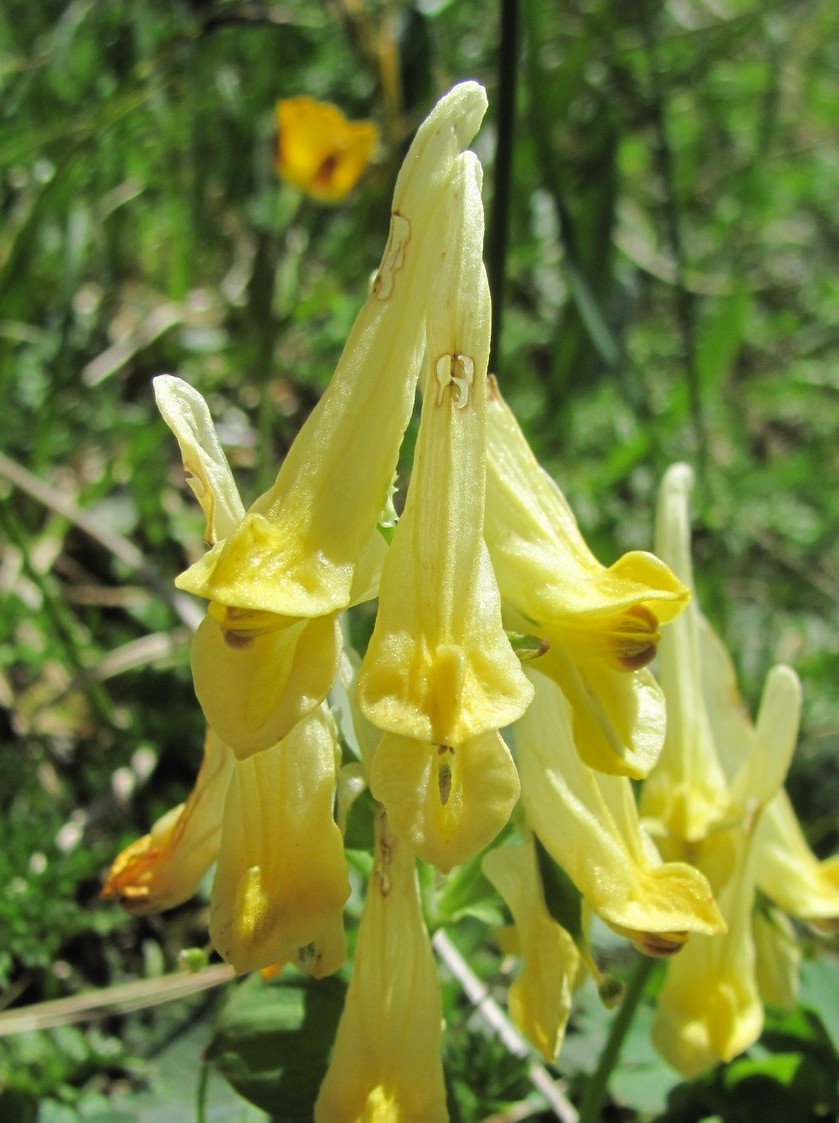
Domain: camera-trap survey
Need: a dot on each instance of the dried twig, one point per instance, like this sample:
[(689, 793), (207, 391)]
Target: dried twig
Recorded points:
[(120, 999)]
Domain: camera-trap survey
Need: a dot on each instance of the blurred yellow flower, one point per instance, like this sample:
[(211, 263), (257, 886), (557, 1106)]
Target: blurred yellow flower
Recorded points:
[(440, 677), (602, 624), (386, 1065), (716, 799), (319, 151)]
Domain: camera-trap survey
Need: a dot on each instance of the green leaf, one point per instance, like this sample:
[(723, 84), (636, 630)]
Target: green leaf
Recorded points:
[(722, 339), (273, 1039)]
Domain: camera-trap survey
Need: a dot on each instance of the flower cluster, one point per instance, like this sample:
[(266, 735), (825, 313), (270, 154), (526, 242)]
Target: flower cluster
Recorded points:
[(716, 799), (492, 614)]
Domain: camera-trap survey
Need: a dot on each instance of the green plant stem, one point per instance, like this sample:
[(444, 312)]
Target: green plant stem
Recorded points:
[(498, 236), (684, 299), (597, 1088)]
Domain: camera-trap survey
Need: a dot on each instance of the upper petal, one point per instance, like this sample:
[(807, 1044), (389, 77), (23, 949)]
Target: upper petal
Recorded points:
[(208, 473)]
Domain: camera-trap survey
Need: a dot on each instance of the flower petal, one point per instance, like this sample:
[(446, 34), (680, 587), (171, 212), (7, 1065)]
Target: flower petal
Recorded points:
[(447, 802), (540, 996), (788, 871), (439, 666), (709, 1009), (281, 880), (256, 684), (208, 473), (297, 548), (319, 150)]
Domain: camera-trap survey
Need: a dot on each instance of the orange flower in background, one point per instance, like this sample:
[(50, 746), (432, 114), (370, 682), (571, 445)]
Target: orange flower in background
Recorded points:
[(319, 150)]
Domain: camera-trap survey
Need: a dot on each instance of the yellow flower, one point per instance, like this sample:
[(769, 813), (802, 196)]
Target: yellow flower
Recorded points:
[(268, 649), (716, 798), (163, 868), (540, 997), (602, 624), (788, 871), (440, 676), (588, 822), (281, 880), (385, 1065), (319, 150)]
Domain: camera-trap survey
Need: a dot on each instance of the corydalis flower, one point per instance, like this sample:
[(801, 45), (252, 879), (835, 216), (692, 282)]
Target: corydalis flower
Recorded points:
[(602, 625), (268, 649), (440, 676), (385, 1065), (588, 822), (716, 798), (540, 996), (319, 150), (164, 868)]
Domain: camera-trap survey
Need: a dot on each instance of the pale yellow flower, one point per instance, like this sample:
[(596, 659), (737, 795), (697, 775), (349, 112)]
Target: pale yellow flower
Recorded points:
[(602, 624), (386, 1065), (716, 798), (788, 871), (440, 676), (164, 868), (540, 996), (588, 822), (268, 650), (281, 880), (319, 150)]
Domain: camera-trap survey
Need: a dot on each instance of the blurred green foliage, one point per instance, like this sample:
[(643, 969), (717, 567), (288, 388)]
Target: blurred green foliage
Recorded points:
[(671, 293)]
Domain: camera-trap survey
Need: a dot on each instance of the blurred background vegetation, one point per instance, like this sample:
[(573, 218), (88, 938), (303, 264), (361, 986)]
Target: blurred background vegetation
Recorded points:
[(671, 293)]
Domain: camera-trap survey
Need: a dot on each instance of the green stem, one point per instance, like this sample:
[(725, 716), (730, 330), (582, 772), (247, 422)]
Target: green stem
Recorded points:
[(597, 1088), (684, 300), (498, 236), (201, 1093)]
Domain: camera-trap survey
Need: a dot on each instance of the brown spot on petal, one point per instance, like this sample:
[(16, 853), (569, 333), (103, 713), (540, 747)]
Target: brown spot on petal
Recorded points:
[(444, 781), (636, 638), (660, 945)]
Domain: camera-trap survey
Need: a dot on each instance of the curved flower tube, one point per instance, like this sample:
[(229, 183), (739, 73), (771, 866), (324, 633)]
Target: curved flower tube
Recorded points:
[(309, 546), (602, 624)]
